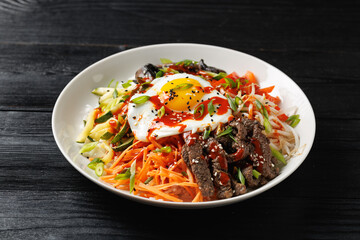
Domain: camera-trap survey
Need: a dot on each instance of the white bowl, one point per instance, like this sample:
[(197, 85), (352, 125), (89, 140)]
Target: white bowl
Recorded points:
[(76, 100)]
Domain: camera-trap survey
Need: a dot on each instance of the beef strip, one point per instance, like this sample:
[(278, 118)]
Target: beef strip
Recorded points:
[(249, 178), (219, 165), (239, 188), (269, 171), (193, 157)]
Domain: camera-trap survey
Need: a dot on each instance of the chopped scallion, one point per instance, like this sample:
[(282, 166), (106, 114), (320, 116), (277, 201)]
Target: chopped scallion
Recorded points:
[(256, 174), (207, 133), (278, 155), (88, 147), (211, 108), (231, 82), (293, 120), (140, 100), (99, 169), (161, 112), (159, 74), (241, 176), (123, 176), (267, 125), (127, 84), (183, 86), (165, 60), (227, 131), (110, 83), (199, 111), (132, 176), (148, 180), (116, 93), (220, 75), (232, 103), (93, 163)]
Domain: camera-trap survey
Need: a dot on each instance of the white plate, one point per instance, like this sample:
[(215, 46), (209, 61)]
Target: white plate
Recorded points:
[(76, 100)]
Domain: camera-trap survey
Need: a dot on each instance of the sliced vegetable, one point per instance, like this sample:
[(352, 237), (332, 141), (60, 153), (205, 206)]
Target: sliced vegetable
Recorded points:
[(124, 145), (256, 174), (140, 100), (89, 125), (88, 147), (123, 176), (165, 60), (99, 169), (232, 103), (206, 133), (199, 111), (159, 74), (90, 139), (293, 120), (127, 84), (161, 112), (148, 180), (227, 131), (104, 117), (121, 133), (238, 101), (115, 92), (132, 176), (106, 136), (241, 176), (231, 82), (278, 155), (211, 108), (110, 82), (267, 125), (183, 86), (166, 149), (94, 162), (232, 137), (220, 75)]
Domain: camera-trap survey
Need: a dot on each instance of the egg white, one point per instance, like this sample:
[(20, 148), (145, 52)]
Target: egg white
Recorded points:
[(141, 117)]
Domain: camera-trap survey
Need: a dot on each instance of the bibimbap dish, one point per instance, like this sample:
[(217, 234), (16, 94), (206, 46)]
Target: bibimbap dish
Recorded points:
[(188, 132)]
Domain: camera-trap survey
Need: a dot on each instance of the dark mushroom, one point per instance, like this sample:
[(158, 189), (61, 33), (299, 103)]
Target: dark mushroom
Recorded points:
[(205, 67), (148, 71)]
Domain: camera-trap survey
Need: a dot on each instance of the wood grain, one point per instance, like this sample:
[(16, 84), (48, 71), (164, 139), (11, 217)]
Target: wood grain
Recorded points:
[(44, 44)]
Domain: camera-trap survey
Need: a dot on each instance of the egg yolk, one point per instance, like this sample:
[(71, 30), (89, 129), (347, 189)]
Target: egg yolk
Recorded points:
[(181, 94)]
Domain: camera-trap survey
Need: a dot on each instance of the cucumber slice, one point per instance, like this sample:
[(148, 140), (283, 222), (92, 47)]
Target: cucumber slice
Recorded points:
[(99, 169), (121, 133), (88, 126), (104, 117), (106, 136), (125, 145), (110, 154)]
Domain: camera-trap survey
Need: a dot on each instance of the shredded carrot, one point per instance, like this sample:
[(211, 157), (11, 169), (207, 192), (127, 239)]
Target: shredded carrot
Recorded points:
[(154, 190)]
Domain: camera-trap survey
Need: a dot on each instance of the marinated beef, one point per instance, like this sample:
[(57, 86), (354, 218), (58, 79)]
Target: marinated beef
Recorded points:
[(239, 188), (179, 192), (192, 154), (251, 181), (219, 165)]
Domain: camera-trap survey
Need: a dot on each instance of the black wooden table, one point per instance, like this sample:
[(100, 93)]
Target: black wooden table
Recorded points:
[(45, 43)]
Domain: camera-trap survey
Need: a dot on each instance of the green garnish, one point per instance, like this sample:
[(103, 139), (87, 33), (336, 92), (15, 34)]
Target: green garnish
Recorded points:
[(241, 176), (121, 133), (220, 75), (227, 131), (232, 103), (104, 117), (161, 112), (140, 100), (199, 110), (206, 133), (186, 62), (166, 149), (184, 173), (211, 108), (116, 93), (110, 83), (261, 108), (232, 137), (165, 60), (293, 120), (238, 83), (278, 155), (93, 163), (183, 86), (159, 74), (231, 82), (132, 176), (238, 100), (267, 125), (124, 145), (127, 84), (88, 147), (106, 136), (123, 176), (256, 174), (99, 169), (148, 180), (90, 138)]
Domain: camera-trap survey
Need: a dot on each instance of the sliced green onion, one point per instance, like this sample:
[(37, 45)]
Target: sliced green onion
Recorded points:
[(227, 131), (278, 155), (199, 109), (115, 93), (106, 136), (232, 137), (165, 60), (93, 163), (258, 105), (186, 62), (220, 75), (224, 85), (241, 176), (132, 176), (166, 149), (148, 180), (256, 174), (206, 133), (184, 173), (262, 109), (267, 125), (238, 100), (232, 103), (127, 84), (99, 169), (183, 86), (211, 108), (293, 120), (140, 100), (88, 147), (159, 74), (110, 83), (238, 83), (104, 117), (231, 82), (161, 112), (123, 176)]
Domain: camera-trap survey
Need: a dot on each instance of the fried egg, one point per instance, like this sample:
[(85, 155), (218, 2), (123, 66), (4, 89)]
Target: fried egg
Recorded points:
[(169, 106)]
